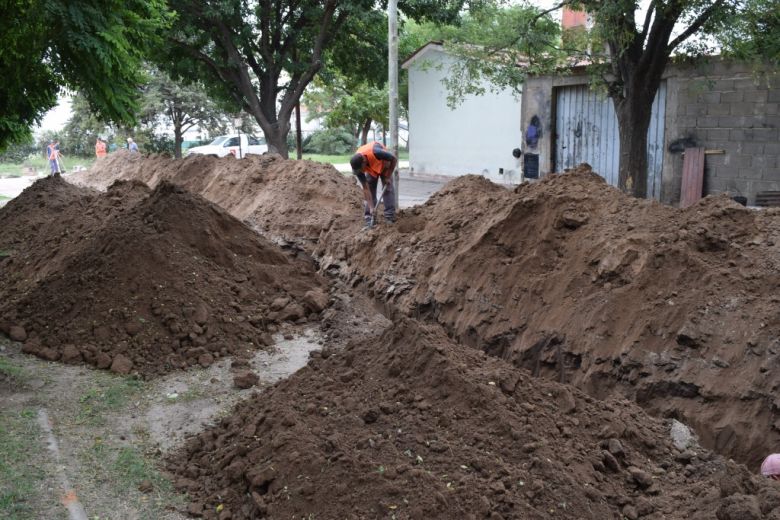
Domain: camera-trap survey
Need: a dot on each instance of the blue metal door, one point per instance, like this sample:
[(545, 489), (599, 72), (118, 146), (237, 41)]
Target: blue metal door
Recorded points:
[(587, 131)]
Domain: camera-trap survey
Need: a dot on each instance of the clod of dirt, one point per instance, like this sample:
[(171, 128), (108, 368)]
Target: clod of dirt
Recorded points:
[(17, 333), (245, 379), (676, 308), (152, 280), (121, 365), (415, 426)]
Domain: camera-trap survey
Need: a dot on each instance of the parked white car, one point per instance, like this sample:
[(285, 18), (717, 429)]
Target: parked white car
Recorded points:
[(225, 145)]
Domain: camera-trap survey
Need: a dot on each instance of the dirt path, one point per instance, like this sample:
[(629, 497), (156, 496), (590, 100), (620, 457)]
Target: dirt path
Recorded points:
[(111, 431)]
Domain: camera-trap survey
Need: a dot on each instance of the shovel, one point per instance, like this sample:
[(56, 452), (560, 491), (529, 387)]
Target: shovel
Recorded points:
[(378, 200)]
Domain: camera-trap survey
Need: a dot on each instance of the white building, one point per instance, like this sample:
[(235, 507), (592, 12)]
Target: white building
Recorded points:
[(477, 136)]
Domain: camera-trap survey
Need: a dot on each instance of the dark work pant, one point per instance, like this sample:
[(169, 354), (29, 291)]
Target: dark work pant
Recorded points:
[(388, 198)]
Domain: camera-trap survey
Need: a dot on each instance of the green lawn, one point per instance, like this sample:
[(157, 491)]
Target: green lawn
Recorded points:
[(338, 159), (42, 165), (19, 480)]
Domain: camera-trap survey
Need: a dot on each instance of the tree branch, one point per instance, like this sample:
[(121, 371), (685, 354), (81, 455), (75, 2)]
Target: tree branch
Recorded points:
[(288, 102), (648, 18), (695, 26), (536, 18)]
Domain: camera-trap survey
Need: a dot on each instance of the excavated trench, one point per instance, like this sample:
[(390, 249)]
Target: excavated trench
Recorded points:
[(573, 281), (568, 280)]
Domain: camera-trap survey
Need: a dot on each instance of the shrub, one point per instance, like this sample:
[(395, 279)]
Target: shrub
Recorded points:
[(331, 141), (19, 152)]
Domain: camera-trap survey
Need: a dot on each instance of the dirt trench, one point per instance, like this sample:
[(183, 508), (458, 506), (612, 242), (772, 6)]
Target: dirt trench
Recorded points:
[(489, 281), (571, 279), (566, 277)]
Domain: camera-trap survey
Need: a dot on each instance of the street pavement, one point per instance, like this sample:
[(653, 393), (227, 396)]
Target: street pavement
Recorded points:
[(415, 191), (12, 186)]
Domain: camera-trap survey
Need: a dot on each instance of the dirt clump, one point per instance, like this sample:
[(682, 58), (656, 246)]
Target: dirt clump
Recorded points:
[(145, 282), (417, 426), (571, 278), (291, 200)]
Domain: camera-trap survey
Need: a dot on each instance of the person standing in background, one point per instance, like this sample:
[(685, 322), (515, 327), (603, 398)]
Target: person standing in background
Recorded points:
[(100, 148), (53, 156), (131, 145)]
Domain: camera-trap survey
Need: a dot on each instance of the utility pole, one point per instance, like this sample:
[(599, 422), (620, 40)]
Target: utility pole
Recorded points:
[(392, 65), (298, 136)]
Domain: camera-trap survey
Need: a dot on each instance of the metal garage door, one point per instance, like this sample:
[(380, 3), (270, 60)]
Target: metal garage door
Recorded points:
[(587, 131)]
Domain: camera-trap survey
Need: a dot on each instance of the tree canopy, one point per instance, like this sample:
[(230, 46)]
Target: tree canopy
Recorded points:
[(95, 47), (262, 55), (353, 105), (179, 106)]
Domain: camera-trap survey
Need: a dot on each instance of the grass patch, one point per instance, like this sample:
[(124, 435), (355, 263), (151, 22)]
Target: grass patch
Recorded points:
[(338, 159), (19, 478), (331, 159), (132, 468), (10, 370), (123, 468), (10, 170), (4, 197), (100, 400), (41, 165)]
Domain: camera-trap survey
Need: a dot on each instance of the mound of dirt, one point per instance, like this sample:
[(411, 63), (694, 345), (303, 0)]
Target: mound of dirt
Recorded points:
[(416, 426), (41, 228), (569, 277), (292, 200), (143, 281)]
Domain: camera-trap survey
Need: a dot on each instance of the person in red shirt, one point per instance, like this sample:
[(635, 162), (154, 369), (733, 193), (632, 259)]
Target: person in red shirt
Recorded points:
[(100, 148), (371, 162)]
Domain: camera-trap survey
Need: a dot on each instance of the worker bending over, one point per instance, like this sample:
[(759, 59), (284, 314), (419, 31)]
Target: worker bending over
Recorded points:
[(374, 159)]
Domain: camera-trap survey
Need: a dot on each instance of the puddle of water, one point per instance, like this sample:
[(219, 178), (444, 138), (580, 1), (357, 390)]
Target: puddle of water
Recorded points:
[(183, 404)]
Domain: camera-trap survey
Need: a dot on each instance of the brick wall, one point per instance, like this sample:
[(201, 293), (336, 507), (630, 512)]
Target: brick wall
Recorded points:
[(725, 106)]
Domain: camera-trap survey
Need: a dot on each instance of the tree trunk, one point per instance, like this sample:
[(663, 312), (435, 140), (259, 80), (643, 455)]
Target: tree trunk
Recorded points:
[(633, 115), (276, 134), (277, 141), (298, 132), (178, 139), (364, 131)]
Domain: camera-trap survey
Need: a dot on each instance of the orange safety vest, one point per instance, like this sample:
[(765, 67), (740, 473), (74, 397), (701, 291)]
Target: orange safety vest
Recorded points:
[(53, 153), (374, 166), (100, 149)]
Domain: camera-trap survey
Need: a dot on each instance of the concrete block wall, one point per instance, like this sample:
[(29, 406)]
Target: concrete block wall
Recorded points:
[(727, 106), (716, 104)]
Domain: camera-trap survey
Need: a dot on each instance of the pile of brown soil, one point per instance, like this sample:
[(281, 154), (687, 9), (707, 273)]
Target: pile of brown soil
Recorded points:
[(569, 277), (292, 200), (142, 281), (416, 426), (40, 228)]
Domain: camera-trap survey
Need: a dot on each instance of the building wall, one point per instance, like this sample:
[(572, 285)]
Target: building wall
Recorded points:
[(477, 136), (731, 107), (717, 105), (538, 101)]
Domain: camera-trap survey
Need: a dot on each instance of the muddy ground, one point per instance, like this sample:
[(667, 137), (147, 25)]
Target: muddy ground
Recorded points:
[(113, 431)]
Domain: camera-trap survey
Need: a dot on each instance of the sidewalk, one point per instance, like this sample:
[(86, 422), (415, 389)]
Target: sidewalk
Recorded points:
[(12, 186)]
